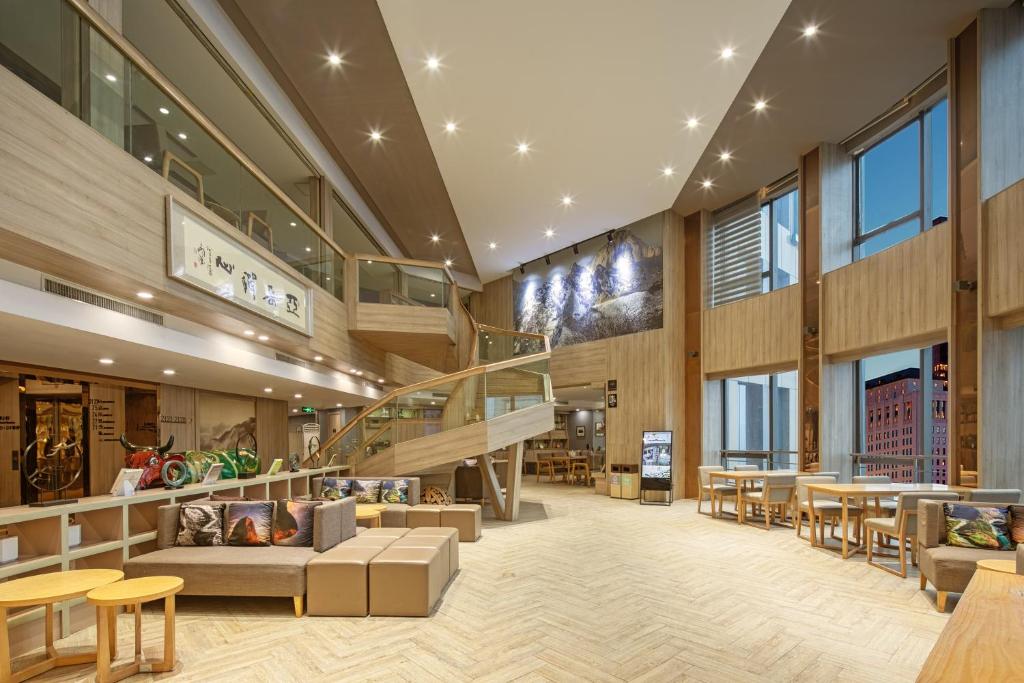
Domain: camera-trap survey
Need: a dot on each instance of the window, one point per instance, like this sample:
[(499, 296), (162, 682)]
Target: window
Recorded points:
[(347, 232), (761, 413), (901, 183)]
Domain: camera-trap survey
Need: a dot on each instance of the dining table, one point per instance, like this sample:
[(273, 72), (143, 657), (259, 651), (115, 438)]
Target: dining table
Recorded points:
[(861, 492), (743, 479)]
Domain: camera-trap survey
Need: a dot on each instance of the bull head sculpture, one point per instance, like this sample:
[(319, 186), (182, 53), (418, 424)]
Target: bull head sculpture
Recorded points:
[(132, 448), (150, 459)]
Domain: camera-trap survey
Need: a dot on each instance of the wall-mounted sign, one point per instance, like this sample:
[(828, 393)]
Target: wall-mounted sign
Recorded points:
[(308, 409), (203, 256), (613, 400), (613, 384)]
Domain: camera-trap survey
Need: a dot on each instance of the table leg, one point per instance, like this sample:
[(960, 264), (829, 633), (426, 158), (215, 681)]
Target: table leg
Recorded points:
[(741, 509), (5, 647), (168, 663), (138, 632), (846, 526), (103, 645), (810, 516)]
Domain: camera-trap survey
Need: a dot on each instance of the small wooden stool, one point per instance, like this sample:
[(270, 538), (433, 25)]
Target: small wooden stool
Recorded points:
[(47, 589), (132, 593)]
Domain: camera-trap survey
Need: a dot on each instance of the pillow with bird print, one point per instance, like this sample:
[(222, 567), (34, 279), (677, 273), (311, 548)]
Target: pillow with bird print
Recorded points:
[(201, 524)]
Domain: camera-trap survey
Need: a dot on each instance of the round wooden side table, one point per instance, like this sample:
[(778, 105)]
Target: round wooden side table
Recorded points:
[(1005, 566), (132, 592), (371, 512), (47, 589)]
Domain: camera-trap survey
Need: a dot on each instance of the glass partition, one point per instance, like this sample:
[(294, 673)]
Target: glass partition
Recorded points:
[(497, 344), (515, 388), (384, 282), (39, 41)]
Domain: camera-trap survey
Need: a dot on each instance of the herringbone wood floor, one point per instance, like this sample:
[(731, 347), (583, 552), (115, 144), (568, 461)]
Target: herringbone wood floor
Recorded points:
[(587, 588)]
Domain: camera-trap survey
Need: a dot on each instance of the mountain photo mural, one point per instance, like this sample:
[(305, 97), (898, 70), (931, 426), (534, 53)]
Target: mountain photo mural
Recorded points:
[(613, 287)]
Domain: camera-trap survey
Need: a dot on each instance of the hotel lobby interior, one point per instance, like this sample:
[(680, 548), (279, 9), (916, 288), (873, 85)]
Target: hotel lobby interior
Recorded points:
[(522, 340)]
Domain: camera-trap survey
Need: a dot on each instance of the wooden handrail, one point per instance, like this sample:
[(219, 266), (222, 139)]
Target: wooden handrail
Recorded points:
[(402, 261)]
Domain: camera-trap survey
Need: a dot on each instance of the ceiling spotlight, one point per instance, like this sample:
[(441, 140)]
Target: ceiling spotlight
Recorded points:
[(292, 223), (567, 200), (522, 269), (334, 59), (380, 381), (337, 405), (248, 333), (668, 171), (318, 358), (308, 249), (492, 245), (523, 148), (810, 30), (435, 238), (298, 395), (692, 122), (725, 156), (106, 361), (706, 184), (168, 371), (268, 390), (547, 260), (144, 295), (148, 159), (433, 63), (375, 136), (728, 52), (448, 262), (164, 110), (610, 233), (576, 249), (451, 127), (359, 373), (549, 233), (263, 337), (295, 410), (112, 78), (182, 136)]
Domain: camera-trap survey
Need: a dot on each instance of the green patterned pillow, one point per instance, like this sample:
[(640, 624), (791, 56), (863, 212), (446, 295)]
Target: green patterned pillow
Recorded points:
[(396, 491), (366, 490), (975, 527), (335, 489)]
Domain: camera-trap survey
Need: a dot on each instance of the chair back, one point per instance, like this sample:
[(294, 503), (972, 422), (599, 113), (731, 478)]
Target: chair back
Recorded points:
[(873, 479), (746, 468), (828, 474), (802, 482), (1005, 496), (907, 504), (778, 488), (703, 470)]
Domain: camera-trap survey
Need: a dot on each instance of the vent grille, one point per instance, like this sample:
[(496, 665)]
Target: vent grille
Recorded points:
[(294, 361), (69, 291)]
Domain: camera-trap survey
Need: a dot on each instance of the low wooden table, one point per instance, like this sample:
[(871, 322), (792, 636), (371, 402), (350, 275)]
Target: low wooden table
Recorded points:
[(1005, 566), (132, 592), (47, 589), (371, 512), (862, 492), (983, 640)]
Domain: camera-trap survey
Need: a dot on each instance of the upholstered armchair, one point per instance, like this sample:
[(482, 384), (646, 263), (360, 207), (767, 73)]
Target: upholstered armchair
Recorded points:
[(777, 495), (902, 526), (718, 490)]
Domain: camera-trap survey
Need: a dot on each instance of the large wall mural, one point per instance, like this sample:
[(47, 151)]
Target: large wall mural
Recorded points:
[(611, 288)]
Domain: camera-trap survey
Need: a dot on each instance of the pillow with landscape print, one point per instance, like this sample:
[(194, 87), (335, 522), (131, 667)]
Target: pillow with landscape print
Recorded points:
[(293, 522), (335, 489), (977, 527), (1017, 523), (395, 491), (366, 490), (201, 524), (249, 523)]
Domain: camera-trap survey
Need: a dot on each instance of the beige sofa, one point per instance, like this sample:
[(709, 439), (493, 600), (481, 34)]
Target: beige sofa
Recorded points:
[(394, 515), (263, 571), (950, 568)]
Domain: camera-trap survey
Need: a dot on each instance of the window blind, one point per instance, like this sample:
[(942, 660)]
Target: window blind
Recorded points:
[(734, 253)]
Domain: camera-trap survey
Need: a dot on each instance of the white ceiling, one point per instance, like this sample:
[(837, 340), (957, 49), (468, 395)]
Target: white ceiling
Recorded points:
[(600, 89)]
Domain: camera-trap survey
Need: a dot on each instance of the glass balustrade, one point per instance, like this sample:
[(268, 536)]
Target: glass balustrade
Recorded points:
[(385, 282), (40, 41), (498, 345)]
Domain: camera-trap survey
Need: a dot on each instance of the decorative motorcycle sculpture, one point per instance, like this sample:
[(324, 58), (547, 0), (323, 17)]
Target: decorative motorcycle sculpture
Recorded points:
[(151, 460)]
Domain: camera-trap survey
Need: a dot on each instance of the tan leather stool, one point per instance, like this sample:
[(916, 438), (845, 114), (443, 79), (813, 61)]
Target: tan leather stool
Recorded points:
[(337, 581), (423, 515), (406, 582), (437, 542), (386, 532), (463, 516), (447, 532), (364, 541)]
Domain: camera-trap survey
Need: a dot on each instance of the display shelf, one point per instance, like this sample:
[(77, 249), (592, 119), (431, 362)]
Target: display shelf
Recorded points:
[(135, 539), (278, 489), (26, 564), (94, 548), (298, 487), (100, 524), (255, 491), (142, 547), (110, 559)]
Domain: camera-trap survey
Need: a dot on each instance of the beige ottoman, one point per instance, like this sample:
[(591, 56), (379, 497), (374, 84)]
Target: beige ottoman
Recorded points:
[(406, 582), (446, 532), (337, 581), (364, 541), (423, 515), (436, 542), (386, 532), (463, 516)]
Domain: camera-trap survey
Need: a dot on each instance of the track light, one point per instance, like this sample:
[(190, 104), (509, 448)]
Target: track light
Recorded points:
[(610, 233), (576, 249), (522, 269), (547, 260)]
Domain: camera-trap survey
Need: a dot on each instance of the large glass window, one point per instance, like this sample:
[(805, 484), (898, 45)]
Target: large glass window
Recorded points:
[(902, 427), (347, 232), (780, 221), (761, 414), (902, 183)]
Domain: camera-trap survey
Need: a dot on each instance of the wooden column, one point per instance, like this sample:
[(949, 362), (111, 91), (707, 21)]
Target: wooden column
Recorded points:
[(10, 443), (106, 422), (693, 403), (809, 366), (271, 430)]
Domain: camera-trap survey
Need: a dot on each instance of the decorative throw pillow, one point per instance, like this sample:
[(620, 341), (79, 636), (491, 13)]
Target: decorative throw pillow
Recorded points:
[(1017, 523), (201, 524), (249, 523), (972, 527), (366, 490), (435, 495), (335, 489), (395, 491), (293, 522)]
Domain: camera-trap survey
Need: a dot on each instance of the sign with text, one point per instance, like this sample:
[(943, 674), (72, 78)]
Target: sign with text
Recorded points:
[(201, 255), (656, 462)]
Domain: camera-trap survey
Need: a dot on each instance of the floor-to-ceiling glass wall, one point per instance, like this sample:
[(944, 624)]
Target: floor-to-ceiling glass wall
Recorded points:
[(761, 419)]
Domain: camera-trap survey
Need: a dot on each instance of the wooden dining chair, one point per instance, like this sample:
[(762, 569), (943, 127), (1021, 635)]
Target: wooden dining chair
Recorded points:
[(544, 464), (579, 471), (883, 506), (777, 494), (825, 509), (718, 490), (902, 526)]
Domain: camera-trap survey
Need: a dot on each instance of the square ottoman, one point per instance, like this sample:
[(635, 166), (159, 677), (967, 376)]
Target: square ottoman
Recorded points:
[(406, 582), (449, 533), (337, 581), (463, 516), (423, 515)]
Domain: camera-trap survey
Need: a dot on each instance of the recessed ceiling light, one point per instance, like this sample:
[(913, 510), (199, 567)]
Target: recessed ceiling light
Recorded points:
[(725, 156), (523, 147), (433, 63), (106, 361), (381, 380), (369, 263), (668, 171), (168, 371), (263, 337), (728, 52), (248, 333), (760, 105), (337, 405), (112, 78), (334, 59), (448, 262), (164, 110), (144, 295), (492, 245), (268, 390), (182, 136), (298, 395), (567, 200), (692, 122), (433, 403), (549, 233), (148, 159), (451, 127), (435, 238), (810, 30), (706, 184), (295, 410), (376, 136), (318, 358), (292, 223), (359, 373), (309, 249), (432, 295)]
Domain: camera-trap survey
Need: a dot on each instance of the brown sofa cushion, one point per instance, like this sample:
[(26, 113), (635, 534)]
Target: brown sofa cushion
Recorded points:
[(273, 571), (1017, 523), (950, 568), (333, 523), (167, 525)]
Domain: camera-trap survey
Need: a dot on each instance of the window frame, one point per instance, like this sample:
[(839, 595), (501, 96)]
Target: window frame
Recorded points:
[(773, 385), (790, 184)]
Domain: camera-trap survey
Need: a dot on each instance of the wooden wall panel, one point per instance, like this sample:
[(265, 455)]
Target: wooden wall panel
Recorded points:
[(1004, 252), (753, 335), (674, 341), (141, 416), (178, 416), (10, 443), (689, 347), (1001, 51), (809, 368), (579, 364), (271, 430), (836, 206), (895, 299), (638, 364), (106, 422), (494, 305), (402, 371), (1001, 430)]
